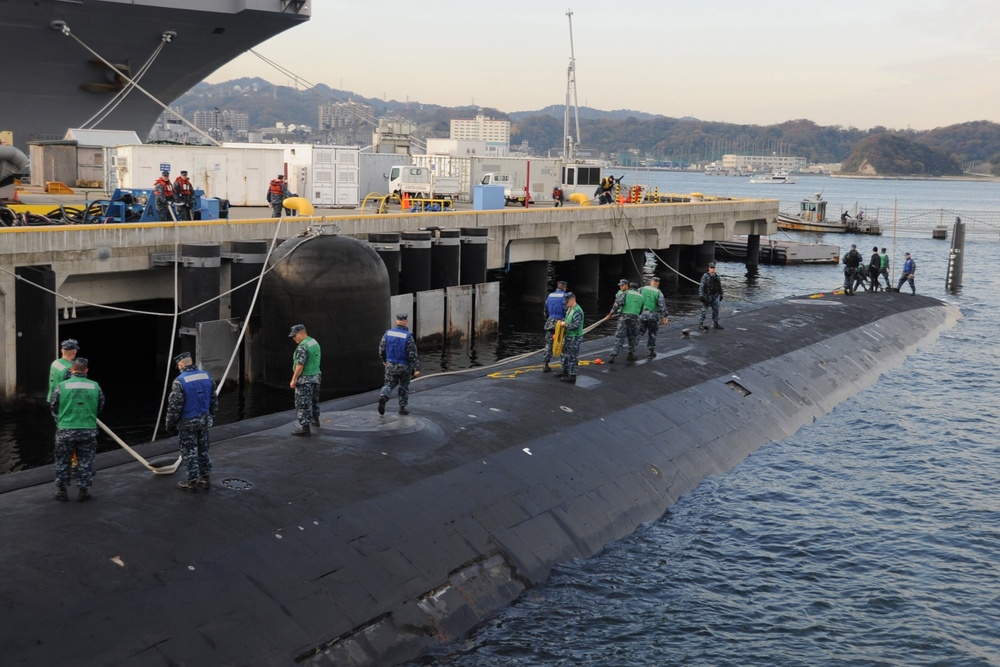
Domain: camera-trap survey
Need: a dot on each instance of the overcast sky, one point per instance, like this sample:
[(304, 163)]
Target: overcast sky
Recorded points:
[(861, 63)]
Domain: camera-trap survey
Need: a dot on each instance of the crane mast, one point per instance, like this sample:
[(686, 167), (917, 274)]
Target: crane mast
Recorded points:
[(570, 141)]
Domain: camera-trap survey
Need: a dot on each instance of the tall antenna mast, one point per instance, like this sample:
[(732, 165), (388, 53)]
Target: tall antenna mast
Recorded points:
[(569, 141)]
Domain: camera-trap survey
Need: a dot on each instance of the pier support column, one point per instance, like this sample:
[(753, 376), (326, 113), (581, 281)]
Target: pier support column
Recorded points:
[(588, 275), (200, 276), (705, 254), (386, 245), (248, 261), (473, 261), (611, 270), (753, 252), (445, 257), (37, 322), (415, 262), (632, 264), (531, 279)]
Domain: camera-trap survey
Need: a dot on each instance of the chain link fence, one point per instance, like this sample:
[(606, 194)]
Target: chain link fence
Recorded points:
[(926, 220)]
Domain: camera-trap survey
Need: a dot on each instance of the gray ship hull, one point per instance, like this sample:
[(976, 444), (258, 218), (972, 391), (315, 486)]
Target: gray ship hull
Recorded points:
[(51, 83), (379, 536)]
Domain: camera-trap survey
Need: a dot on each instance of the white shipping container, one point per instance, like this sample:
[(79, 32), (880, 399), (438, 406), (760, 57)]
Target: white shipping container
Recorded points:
[(241, 175), (325, 175), (546, 173)]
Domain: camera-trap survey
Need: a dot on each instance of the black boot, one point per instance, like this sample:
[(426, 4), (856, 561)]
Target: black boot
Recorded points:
[(545, 368), (651, 353), (631, 357), (718, 326), (301, 430), (611, 359), (572, 379)]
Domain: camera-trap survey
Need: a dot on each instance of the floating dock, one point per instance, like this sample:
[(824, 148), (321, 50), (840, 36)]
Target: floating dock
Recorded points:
[(781, 252), (379, 536)]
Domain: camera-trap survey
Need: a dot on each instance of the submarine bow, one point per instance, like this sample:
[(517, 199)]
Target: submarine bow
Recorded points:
[(380, 536)]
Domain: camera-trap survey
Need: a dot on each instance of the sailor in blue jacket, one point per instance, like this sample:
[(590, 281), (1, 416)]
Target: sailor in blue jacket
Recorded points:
[(190, 409), (909, 269), (399, 355), (555, 310)]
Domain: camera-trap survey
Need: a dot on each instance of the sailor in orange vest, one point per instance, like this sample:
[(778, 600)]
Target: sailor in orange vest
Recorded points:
[(163, 194), (184, 194), (277, 192)]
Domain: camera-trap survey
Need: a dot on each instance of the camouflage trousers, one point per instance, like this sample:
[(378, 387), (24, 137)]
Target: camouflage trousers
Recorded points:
[(276, 208), (571, 354), (307, 401), (649, 326), (185, 211), (83, 442), (192, 438), (627, 333), (714, 302), (397, 374), (550, 330), (163, 213)]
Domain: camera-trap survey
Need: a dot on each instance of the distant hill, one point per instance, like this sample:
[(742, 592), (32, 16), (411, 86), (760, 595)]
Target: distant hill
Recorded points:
[(896, 155), (624, 132)]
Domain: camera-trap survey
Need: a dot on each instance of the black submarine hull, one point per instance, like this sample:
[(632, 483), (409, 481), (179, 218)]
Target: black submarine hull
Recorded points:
[(379, 536)]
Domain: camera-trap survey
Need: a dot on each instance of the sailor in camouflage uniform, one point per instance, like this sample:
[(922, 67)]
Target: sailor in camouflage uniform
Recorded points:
[(75, 404), (399, 355), (654, 311), (555, 310), (306, 379), (190, 411), (60, 368), (628, 306), (574, 336)]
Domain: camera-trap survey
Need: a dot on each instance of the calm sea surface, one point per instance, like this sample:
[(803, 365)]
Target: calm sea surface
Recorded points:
[(870, 537)]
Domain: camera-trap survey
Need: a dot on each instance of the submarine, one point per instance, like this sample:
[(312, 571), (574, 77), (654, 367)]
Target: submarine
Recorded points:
[(379, 536)]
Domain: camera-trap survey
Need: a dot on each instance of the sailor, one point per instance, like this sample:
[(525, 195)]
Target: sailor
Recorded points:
[(654, 311), (398, 352), (306, 379), (628, 306), (884, 269), (75, 404), (60, 368), (163, 194), (555, 310), (277, 192), (909, 270), (843, 218), (190, 411), (710, 293), (184, 193), (574, 336), (557, 196), (874, 264), (851, 262)]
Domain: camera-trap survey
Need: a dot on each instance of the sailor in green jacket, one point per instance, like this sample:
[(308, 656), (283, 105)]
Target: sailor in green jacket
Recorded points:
[(59, 370), (306, 379), (628, 306), (574, 336), (75, 404), (654, 311)]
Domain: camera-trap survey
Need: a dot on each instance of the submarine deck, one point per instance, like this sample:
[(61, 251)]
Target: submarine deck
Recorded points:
[(378, 536)]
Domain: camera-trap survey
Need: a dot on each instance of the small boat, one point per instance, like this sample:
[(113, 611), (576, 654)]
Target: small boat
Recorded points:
[(812, 218), (774, 178)]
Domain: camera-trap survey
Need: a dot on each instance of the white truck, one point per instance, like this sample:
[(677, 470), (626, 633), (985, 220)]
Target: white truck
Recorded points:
[(420, 182)]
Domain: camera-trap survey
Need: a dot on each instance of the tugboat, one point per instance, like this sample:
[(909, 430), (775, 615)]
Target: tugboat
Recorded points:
[(812, 218)]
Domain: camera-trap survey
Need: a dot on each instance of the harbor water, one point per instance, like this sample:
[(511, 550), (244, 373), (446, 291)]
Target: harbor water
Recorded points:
[(870, 537)]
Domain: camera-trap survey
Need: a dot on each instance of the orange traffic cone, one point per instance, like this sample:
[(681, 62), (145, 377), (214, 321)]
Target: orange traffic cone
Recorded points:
[(405, 202)]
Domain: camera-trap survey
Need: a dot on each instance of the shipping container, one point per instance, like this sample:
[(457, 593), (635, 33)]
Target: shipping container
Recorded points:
[(328, 176), (240, 174)]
